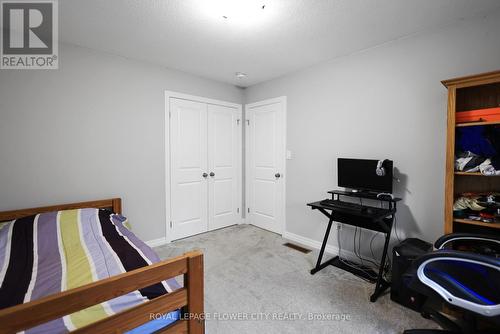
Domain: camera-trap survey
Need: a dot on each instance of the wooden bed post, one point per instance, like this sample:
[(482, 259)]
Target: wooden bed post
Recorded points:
[(193, 281), (117, 205)]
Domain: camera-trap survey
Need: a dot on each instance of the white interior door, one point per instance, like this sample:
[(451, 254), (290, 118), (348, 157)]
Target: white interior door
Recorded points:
[(224, 160), (189, 172), (266, 137)]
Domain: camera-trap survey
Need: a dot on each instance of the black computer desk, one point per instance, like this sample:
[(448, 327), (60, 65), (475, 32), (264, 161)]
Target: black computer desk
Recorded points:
[(367, 217)]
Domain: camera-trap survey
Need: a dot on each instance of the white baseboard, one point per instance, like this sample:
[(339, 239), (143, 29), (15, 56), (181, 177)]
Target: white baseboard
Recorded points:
[(329, 249), (157, 242), (163, 241)]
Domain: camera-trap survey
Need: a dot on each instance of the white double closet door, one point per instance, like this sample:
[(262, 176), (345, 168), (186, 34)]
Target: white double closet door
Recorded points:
[(205, 160)]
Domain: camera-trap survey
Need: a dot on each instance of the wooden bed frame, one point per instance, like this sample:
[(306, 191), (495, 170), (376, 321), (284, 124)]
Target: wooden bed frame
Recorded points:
[(189, 298)]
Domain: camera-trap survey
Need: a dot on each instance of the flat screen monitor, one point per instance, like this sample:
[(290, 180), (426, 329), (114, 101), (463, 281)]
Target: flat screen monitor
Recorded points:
[(361, 174)]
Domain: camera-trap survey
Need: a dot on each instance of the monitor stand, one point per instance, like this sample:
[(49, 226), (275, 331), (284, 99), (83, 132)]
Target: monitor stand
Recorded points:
[(362, 193)]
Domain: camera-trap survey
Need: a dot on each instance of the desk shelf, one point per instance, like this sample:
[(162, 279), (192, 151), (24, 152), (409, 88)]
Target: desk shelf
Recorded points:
[(363, 195)]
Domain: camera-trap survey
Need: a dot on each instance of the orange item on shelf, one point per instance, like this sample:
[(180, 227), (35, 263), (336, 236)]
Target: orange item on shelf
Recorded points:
[(481, 115)]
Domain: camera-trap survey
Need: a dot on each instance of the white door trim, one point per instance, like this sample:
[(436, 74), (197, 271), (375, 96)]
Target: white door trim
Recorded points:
[(281, 99), (166, 140), (183, 96)]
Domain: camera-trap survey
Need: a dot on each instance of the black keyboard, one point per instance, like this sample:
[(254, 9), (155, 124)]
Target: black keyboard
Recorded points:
[(354, 207), (364, 210), (341, 205)]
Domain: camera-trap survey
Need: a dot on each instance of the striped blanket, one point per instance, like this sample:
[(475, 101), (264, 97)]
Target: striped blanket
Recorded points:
[(52, 252)]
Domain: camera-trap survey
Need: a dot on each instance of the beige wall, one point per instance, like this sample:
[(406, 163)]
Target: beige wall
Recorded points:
[(386, 102), (92, 129)]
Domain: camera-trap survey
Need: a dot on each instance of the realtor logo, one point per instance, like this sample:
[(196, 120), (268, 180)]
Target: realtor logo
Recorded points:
[(29, 34)]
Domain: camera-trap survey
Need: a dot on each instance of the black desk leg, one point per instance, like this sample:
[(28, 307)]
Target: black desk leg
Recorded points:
[(381, 284), (320, 266)]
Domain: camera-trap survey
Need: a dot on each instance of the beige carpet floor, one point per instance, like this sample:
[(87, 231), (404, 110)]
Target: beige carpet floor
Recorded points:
[(254, 284)]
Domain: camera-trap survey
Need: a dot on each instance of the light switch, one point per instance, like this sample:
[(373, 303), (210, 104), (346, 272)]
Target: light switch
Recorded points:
[(288, 155)]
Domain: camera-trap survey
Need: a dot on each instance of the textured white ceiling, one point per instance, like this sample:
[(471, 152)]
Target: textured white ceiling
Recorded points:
[(192, 36)]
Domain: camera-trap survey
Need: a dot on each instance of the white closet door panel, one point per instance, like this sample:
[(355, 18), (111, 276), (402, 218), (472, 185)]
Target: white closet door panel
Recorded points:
[(223, 164), (189, 189)]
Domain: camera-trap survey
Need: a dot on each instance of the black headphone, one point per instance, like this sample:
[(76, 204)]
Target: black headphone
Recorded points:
[(380, 170)]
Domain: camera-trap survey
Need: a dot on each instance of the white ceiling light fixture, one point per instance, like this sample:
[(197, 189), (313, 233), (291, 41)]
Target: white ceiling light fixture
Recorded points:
[(240, 12), (240, 75)]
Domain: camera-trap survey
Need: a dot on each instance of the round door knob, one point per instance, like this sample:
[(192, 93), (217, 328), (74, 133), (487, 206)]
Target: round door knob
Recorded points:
[(204, 175), (212, 174), (277, 175)]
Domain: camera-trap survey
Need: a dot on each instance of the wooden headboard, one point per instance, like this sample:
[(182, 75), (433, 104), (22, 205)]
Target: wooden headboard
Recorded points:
[(115, 204)]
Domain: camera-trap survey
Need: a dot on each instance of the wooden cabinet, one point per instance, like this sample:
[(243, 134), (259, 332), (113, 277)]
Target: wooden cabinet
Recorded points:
[(475, 92)]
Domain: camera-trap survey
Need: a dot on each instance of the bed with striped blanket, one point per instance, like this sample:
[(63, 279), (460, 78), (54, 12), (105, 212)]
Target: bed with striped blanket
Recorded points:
[(44, 254)]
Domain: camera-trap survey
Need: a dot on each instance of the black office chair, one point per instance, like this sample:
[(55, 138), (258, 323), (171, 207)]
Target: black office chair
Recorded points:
[(464, 273)]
